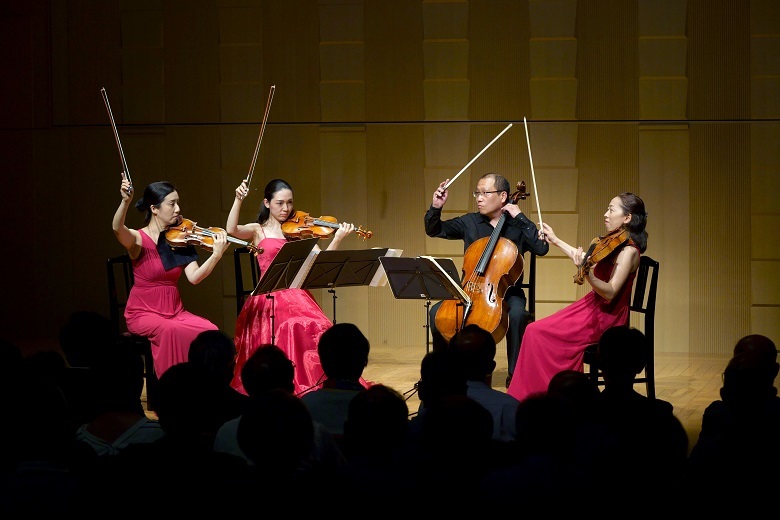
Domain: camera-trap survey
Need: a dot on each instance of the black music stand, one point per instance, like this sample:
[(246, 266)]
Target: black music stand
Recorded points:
[(333, 269), (281, 273), (418, 279)]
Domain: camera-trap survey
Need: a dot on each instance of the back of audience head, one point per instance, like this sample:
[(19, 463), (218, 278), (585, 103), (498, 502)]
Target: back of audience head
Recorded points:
[(757, 343), (343, 351), (441, 374), (748, 379), (276, 433), (377, 421), (40, 414), (86, 336), (267, 368), (545, 424), (215, 351), (574, 387), (455, 423), (119, 374), (622, 354), (477, 349), (185, 396)]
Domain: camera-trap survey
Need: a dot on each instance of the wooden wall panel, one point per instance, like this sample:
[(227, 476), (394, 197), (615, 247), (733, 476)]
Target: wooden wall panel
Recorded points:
[(720, 268), (607, 61), (390, 115)]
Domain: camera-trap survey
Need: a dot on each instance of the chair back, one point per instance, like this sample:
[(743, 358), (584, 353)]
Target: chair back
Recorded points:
[(642, 304), (529, 284), (119, 272), (119, 268), (246, 268)]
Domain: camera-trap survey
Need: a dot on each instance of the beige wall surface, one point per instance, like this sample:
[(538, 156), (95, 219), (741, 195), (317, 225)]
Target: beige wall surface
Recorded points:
[(375, 103)]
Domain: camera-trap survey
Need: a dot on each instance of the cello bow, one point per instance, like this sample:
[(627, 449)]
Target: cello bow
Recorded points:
[(477, 156), (533, 175)]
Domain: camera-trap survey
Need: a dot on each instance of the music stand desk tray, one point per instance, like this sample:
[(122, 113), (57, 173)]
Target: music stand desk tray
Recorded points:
[(285, 266), (417, 279), (343, 268)]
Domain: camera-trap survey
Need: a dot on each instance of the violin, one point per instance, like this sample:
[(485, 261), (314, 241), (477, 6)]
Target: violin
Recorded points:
[(188, 233), (491, 265), (301, 225), (600, 248)]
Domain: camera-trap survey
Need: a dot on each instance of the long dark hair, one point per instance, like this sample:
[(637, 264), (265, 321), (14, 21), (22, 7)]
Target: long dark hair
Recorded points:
[(271, 189), (154, 194), (632, 204)]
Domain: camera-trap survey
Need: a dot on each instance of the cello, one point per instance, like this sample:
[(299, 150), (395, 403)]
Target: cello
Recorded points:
[(491, 265)]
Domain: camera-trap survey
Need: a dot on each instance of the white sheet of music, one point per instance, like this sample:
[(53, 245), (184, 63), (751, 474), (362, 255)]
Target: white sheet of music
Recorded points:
[(380, 277), (463, 296)]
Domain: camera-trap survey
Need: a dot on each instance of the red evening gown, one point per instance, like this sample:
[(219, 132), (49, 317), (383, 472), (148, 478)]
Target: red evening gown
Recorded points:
[(558, 341), (299, 323), (154, 309)]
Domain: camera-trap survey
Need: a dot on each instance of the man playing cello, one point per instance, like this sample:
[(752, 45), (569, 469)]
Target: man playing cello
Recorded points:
[(493, 198)]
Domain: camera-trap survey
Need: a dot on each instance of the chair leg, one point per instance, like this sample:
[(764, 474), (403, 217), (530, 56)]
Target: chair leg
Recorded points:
[(152, 390), (650, 380)]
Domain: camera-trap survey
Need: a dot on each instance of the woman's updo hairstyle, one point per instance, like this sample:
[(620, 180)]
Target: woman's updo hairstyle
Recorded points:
[(154, 194), (631, 203)]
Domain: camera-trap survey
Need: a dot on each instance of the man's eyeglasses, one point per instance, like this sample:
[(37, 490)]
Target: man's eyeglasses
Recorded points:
[(484, 193)]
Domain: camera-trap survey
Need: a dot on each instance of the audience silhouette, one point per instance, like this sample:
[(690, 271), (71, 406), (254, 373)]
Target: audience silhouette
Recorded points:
[(573, 440), (215, 352), (119, 378), (277, 434), (269, 368), (477, 350), (642, 437), (441, 375), (343, 351), (738, 443), (182, 461), (375, 445)]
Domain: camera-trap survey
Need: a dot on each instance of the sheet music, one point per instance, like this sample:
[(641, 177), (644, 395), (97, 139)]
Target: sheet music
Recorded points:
[(463, 296), (305, 268), (380, 277)]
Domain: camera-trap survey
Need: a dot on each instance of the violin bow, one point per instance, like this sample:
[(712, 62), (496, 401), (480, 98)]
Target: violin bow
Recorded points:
[(260, 137), (533, 176), (126, 170), (476, 156)]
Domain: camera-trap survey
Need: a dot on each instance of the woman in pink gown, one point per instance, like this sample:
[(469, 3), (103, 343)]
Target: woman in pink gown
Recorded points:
[(298, 320), (154, 307), (557, 342)]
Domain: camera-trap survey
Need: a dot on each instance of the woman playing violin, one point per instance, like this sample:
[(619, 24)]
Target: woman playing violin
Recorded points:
[(492, 199), (154, 307), (297, 318), (558, 341)]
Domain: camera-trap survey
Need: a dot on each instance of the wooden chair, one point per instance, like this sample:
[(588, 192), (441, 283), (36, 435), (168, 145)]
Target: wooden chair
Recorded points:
[(642, 302), (529, 284), (246, 267), (119, 270)]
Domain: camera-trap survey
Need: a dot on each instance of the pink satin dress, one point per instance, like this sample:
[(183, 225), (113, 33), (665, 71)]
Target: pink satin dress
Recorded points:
[(558, 341), (298, 320)]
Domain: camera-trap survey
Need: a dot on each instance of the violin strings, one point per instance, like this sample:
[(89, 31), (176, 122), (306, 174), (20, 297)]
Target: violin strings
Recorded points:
[(212, 234)]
